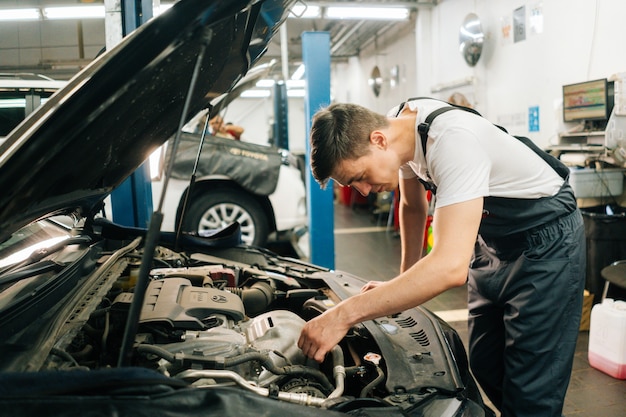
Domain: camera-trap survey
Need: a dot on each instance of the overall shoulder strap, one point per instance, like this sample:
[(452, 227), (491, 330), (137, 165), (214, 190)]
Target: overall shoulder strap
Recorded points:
[(424, 127)]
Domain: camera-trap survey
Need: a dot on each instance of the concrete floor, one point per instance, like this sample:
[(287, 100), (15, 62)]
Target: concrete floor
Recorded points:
[(365, 247)]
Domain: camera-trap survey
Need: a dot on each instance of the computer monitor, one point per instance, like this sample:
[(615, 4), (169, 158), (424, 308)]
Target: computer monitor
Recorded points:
[(590, 102)]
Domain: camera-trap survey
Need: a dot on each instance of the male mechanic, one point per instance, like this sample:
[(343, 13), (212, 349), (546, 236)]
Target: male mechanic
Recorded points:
[(505, 222)]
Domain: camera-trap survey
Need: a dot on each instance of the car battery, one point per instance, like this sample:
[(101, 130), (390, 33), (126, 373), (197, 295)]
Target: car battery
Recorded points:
[(607, 338)]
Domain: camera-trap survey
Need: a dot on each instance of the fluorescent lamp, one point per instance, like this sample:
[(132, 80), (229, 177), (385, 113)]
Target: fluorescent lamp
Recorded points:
[(13, 103), (265, 83), (298, 73), (155, 163), (162, 8), (255, 94), (303, 11), (268, 83), (19, 14), (16, 103), (373, 13), (296, 83), (298, 92), (74, 12)]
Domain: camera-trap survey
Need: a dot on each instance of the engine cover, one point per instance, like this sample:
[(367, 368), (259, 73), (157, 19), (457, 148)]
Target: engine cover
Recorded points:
[(176, 302), (275, 333)]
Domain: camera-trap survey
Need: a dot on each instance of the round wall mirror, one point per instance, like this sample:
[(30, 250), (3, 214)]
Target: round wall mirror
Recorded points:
[(471, 39), (376, 80)]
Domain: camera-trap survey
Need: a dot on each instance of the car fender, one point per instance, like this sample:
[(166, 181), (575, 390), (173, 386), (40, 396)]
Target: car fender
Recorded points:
[(212, 182), (289, 200)]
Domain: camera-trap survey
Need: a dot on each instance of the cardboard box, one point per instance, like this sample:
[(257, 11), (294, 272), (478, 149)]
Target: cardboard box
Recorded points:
[(585, 320)]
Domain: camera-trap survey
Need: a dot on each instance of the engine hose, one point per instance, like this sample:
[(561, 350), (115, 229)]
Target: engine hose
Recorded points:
[(256, 298), (83, 353), (246, 357), (63, 354), (282, 370), (155, 350), (339, 372), (369, 387), (296, 398)]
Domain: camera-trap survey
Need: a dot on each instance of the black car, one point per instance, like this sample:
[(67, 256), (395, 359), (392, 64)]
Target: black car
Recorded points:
[(101, 319)]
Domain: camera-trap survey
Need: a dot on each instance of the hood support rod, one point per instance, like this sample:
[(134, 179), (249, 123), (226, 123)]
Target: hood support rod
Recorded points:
[(154, 229), (192, 179)]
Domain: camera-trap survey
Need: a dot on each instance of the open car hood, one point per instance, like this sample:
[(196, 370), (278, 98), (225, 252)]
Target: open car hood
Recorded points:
[(249, 81), (92, 134)]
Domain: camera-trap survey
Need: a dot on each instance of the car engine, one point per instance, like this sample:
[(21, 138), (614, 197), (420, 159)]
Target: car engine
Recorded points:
[(221, 322), (232, 318)]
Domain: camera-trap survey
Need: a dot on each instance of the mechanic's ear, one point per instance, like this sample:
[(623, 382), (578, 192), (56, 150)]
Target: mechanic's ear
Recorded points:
[(378, 138)]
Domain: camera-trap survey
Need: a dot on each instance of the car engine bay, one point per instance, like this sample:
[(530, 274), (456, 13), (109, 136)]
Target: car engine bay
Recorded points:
[(220, 323), (231, 316)]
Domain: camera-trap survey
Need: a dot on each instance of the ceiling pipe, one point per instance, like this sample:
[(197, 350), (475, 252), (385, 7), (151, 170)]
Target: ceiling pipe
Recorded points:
[(397, 3), (347, 36), (379, 32), (284, 51)]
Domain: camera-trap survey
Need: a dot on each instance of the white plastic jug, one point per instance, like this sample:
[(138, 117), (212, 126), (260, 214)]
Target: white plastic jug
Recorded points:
[(607, 338)]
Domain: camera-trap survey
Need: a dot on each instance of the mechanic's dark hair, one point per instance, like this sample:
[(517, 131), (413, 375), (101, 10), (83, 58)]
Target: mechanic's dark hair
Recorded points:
[(341, 132)]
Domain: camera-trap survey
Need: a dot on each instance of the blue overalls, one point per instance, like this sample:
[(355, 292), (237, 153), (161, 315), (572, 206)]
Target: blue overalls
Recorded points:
[(525, 291)]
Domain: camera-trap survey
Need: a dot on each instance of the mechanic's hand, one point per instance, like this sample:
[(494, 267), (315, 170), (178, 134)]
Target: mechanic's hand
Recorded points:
[(321, 334), (370, 285)]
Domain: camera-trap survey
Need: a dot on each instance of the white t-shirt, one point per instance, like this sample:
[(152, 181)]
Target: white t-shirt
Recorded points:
[(468, 157)]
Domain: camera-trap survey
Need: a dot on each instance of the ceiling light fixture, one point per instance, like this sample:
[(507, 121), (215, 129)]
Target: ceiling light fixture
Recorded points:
[(86, 11), (265, 83), (74, 12), (252, 93), (269, 83), (370, 13), (161, 8), (19, 14), (89, 11), (13, 103), (296, 92), (295, 84), (298, 73), (257, 93), (303, 11)]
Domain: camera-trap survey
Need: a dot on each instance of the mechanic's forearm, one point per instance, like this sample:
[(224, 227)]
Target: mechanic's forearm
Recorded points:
[(445, 267), (412, 226), (414, 287)]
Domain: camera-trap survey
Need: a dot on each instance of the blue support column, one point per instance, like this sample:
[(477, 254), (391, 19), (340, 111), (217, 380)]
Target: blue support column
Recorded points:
[(316, 59), (281, 115), (131, 202)]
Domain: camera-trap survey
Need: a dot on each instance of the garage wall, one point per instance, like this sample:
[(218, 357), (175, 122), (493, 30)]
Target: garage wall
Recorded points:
[(256, 116), (579, 41), (39, 42)]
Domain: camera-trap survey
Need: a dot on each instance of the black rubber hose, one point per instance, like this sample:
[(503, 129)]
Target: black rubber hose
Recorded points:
[(369, 387), (256, 298), (155, 350)]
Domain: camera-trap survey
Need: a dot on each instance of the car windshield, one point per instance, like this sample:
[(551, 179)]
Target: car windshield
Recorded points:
[(16, 104)]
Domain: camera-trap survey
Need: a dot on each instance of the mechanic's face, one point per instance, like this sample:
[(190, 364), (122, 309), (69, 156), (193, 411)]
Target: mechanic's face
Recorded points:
[(375, 172)]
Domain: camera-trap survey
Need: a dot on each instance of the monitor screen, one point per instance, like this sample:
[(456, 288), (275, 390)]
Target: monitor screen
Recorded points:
[(587, 101)]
